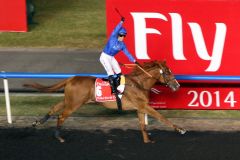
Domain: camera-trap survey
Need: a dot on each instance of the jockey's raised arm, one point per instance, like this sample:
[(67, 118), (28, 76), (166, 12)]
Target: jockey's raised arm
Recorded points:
[(116, 29)]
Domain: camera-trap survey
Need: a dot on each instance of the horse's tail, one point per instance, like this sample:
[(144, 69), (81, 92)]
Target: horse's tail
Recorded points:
[(52, 88)]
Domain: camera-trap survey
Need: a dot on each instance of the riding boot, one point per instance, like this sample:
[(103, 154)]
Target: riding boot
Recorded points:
[(112, 84), (118, 79)]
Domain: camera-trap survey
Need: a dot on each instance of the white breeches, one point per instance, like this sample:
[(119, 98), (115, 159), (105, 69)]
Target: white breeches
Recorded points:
[(110, 64)]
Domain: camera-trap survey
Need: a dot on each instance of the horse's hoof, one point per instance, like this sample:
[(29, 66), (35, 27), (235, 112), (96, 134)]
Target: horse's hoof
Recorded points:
[(57, 135), (36, 123), (152, 141), (181, 131), (61, 140), (149, 141)]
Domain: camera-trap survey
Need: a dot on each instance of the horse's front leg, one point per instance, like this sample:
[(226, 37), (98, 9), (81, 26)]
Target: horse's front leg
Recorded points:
[(143, 128), (152, 112)]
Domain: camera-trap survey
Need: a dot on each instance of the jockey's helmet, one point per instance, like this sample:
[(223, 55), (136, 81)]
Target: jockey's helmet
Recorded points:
[(122, 31)]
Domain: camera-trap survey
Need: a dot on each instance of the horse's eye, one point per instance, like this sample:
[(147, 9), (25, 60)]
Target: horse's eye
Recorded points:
[(161, 71)]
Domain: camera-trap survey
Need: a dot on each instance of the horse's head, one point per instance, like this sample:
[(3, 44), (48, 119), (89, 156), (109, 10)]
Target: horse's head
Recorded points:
[(167, 77), (160, 71)]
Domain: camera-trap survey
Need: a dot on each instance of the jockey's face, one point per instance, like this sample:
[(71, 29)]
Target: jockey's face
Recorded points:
[(121, 37)]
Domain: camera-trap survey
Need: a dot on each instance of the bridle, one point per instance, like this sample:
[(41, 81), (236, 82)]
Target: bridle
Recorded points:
[(165, 78)]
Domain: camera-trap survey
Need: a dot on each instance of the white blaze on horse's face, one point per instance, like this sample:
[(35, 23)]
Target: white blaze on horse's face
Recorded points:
[(161, 74), (161, 71)]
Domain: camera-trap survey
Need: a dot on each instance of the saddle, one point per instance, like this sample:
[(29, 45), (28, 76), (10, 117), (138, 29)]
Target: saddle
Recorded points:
[(103, 91)]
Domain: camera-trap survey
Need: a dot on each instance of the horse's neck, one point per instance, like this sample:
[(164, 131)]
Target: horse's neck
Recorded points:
[(144, 81)]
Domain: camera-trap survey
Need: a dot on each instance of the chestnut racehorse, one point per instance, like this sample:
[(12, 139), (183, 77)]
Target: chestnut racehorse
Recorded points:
[(81, 90)]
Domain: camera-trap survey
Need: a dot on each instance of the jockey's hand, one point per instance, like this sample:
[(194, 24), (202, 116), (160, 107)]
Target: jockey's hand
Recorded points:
[(137, 63), (122, 19)]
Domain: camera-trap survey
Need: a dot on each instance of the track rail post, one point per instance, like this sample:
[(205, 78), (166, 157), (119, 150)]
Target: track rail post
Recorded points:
[(7, 99), (145, 119)]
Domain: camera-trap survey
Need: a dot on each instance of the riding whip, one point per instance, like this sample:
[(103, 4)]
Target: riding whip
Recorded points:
[(118, 12)]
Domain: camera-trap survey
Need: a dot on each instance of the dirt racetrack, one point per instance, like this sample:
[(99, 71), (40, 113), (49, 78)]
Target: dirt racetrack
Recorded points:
[(88, 142), (117, 144)]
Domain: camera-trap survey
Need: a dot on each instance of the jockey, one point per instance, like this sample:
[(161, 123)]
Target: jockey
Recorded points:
[(114, 45)]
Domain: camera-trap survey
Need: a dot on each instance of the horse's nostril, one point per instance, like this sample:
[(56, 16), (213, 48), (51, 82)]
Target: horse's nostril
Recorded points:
[(177, 88)]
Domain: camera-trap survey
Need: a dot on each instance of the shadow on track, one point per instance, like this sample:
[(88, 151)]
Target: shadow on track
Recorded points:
[(28, 143)]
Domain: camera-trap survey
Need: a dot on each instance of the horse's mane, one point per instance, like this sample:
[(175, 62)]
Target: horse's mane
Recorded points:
[(146, 66)]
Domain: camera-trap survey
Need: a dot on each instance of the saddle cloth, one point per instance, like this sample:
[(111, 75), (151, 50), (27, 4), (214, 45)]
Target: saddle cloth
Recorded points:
[(103, 90)]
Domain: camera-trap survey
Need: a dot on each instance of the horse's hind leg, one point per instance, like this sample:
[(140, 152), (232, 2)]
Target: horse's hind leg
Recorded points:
[(143, 127), (53, 110), (62, 117)]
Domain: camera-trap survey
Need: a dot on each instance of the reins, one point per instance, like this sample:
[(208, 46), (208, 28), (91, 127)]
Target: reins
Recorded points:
[(144, 71), (131, 65)]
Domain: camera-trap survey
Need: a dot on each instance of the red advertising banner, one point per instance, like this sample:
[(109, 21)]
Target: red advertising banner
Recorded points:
[(195, 37), (197, 98), (13, 16)]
